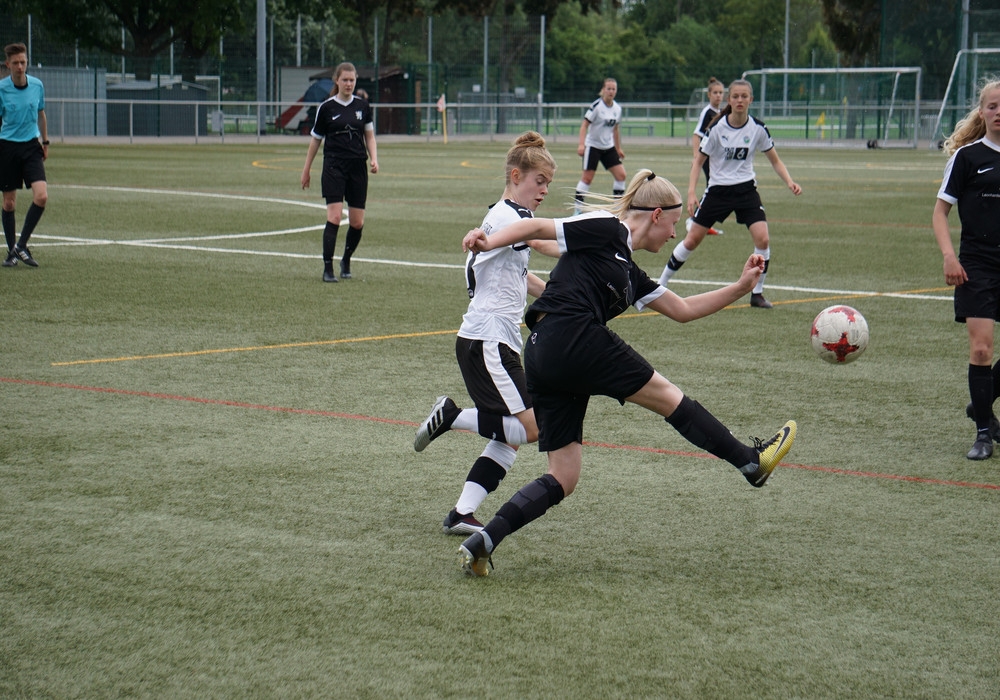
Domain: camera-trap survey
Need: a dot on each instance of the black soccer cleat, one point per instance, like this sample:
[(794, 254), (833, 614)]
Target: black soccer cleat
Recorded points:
[(982, 448), (769, 454), (456, 523), (758, 301), (25, 256), (11, 259), (443, 414), (994, 423)]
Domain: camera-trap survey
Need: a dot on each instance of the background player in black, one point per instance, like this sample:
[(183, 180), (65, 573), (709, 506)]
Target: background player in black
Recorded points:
[(715, 91), (344, 125), (571, 354), (972, 181)]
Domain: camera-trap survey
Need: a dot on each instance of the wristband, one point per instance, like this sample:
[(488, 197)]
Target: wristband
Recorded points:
[(45, 143)]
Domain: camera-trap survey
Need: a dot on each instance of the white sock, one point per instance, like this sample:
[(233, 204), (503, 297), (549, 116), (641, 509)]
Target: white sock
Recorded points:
[(472, 497), (468, 419), (766, 252)]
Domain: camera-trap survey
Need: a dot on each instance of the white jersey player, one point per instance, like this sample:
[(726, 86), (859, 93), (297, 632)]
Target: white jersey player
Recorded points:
[(601, 142), (733, 140), (488, 346)]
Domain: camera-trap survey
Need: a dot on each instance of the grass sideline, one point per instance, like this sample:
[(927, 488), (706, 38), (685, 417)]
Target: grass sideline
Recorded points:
[(208, 486)]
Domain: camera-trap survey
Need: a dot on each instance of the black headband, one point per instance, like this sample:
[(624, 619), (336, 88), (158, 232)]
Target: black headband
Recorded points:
[(664, 208)]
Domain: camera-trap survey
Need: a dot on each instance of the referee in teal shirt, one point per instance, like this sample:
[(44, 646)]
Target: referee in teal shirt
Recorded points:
[(24, 146)]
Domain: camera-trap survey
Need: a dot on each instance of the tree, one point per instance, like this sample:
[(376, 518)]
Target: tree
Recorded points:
[(854, 27)]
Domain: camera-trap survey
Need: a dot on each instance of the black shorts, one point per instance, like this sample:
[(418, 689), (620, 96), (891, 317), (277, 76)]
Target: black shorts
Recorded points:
[(493, 376), (568, 359), (608, 157), (21, 163), (719, 201), (979, 297), (345, 180)]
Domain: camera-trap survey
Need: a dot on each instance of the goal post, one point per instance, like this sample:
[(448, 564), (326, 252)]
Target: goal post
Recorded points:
[(873, 107), (971, 67)]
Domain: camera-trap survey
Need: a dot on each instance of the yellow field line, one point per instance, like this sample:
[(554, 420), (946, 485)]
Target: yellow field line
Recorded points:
[(216, 351)]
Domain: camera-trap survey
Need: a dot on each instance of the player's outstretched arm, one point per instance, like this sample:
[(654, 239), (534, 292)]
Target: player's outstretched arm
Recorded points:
[(684, 309)]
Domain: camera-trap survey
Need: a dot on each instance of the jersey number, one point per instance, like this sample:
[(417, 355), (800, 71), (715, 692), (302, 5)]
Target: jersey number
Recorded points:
[(737, 153)]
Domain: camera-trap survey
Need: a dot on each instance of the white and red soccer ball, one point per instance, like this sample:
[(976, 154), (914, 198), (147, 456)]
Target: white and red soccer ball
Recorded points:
[(839, 334)]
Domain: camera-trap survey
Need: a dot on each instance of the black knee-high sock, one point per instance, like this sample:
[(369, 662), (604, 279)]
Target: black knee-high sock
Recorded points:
[(487, 473), (530, 503), (329, 243), (9, 230), (981, 392), (30, 221), (996, 380), (351, 244), (701, 428)]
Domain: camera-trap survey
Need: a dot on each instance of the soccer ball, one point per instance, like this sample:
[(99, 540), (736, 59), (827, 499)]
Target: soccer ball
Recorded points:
[(839, 334)]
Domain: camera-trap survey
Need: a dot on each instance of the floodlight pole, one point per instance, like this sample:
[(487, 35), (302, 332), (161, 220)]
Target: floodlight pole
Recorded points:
[(261, 61)]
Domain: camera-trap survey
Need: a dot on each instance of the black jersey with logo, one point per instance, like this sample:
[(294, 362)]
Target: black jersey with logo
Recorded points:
[(595, 275), (972, 181), (343, 127)]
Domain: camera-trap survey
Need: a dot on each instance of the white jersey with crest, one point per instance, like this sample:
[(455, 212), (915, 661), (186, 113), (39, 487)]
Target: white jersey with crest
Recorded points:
[(603, 120), (731, 150), (497, 281)]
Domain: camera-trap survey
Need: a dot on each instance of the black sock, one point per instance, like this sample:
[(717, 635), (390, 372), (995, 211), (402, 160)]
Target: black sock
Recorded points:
[(701, 428), (530, 503), (674, 264), (996, 380), (9, 230), (981, 392), (351, 244), (487, 473), (30, 221), (329, 244)]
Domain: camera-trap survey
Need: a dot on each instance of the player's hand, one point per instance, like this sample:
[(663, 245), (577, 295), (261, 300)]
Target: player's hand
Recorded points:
[(305, 179), (580, 149), (794, 187), (752, 270), (954, 273), (374, 167), (475, 241), (692, 204)]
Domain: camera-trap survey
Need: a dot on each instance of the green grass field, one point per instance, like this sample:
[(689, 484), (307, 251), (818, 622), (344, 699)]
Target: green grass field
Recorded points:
[(208, 486)]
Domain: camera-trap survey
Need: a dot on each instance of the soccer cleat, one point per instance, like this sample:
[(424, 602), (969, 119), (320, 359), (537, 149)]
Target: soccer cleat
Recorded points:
[(994, 423), (769, 454), (982, 448), (473, 557), (25, 255), (329, 277), (715, 231), (456, 523), (10, 260), (443, 414), (759, 302), (345, 269)]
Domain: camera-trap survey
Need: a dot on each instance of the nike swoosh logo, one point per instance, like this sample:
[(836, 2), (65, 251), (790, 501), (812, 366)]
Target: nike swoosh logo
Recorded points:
[(619, 257), (984, 170), (334, 117)]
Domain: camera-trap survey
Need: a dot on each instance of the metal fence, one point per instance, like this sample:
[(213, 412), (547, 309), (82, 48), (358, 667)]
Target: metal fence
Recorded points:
[(213, 120)]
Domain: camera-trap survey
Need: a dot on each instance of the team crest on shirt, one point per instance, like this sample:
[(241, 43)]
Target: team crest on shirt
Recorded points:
[(357, 115)]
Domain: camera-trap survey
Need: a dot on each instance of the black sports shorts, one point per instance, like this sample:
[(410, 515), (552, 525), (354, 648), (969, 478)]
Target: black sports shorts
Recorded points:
[(21, 163), (719, 201), (493, 376), (979, 297), (567, 360), (608, 157), (345, 179)]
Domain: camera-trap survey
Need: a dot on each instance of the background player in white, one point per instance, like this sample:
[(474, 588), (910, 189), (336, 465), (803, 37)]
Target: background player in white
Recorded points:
[(345, 128), (488, 346), (733, 140), (601, 142), (715, 91), (972, 181)]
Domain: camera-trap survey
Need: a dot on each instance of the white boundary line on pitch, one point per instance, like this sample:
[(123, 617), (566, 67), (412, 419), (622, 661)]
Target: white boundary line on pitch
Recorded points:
[(169, 244)]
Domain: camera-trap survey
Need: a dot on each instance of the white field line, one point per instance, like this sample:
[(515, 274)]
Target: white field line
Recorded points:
[(172, 244)]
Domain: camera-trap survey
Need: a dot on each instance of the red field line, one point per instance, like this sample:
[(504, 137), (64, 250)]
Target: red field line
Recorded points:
[(376, 419)]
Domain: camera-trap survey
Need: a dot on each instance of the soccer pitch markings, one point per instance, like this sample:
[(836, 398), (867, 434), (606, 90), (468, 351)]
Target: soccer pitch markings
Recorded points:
[(394, 421)]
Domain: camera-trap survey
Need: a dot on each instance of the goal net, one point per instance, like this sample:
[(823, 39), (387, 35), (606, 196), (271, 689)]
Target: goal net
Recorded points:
[(971, 69), (872, 107)]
